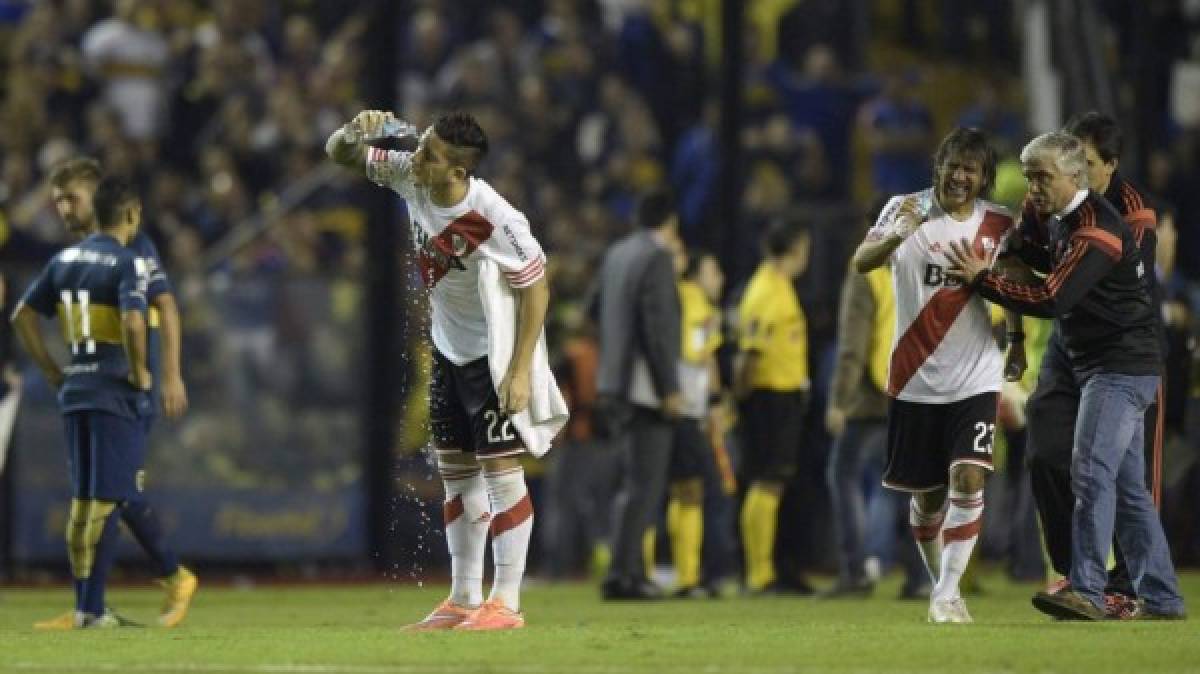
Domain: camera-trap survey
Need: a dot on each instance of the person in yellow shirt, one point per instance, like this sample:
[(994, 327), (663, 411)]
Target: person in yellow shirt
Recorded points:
[(692, 457), (771, 382)]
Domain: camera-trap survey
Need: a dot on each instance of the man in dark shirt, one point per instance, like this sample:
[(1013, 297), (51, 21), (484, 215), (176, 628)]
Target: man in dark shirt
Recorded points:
[(637, 381), (1097, 292), (1053, 406)]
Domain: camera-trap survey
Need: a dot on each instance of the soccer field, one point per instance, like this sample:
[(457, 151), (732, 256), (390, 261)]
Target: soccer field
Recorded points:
[(353, 630)]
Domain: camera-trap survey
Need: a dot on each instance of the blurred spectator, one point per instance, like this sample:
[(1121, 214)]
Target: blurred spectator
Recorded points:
[(820, 101), (129, 54), (898, 129), (991, 111)]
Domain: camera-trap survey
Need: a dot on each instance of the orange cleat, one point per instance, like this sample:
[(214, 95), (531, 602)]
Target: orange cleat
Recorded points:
[(492, 615), (446, 616), (180, 588), (66, 621)]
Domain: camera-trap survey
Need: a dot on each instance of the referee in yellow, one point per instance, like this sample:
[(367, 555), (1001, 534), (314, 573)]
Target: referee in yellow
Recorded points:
[(771, 382)]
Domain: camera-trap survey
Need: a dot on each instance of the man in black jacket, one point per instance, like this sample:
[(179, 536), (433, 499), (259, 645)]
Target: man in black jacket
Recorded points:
[(1055, 402), (1097, 292), (638, 381)]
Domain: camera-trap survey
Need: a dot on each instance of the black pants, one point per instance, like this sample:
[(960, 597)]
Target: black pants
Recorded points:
[(1050, 414), (645, 447)]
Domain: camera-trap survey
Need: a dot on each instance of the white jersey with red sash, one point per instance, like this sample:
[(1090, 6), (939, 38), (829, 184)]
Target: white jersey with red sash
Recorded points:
[(943, 350)]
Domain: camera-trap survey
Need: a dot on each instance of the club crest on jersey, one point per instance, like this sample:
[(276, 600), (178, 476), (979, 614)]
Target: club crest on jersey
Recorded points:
[(437, 255)]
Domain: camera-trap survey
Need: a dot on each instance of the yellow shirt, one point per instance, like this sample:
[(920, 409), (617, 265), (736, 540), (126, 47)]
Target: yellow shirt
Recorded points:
[(701, 337), (701, 324), (880, 356), (771, 323)]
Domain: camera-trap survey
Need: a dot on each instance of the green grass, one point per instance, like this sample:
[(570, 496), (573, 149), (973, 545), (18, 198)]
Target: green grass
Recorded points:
[(353, 630)]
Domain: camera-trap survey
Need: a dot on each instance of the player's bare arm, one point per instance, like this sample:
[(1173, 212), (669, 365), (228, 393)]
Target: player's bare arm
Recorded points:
[(174, 392), (876, 249), (133, 334), (532, 302), (29, 332), (347, 145)]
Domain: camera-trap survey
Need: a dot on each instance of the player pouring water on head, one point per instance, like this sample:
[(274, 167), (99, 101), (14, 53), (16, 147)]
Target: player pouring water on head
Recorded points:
[(946, 369), (492, 397)]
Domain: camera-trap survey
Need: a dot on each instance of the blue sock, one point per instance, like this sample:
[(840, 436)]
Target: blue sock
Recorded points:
[(79, 594), (143, 523), (105, 554)]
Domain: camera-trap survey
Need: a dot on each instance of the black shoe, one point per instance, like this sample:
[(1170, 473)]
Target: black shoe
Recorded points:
[(691, 592), (778, 589), (624, 588), (848, 589), (1068, 605), (798, 586)]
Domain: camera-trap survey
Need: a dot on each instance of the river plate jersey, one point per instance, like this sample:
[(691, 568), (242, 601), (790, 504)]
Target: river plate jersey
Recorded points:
[(451, 243), (943, 349)]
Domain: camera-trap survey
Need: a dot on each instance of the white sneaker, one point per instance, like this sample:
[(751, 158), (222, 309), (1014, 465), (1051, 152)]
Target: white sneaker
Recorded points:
[(949, 611), (873, 569)]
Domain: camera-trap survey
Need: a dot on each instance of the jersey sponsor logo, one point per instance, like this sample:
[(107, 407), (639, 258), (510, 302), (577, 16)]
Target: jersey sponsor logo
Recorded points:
[(935, 276), (512, 240), (78, 255)]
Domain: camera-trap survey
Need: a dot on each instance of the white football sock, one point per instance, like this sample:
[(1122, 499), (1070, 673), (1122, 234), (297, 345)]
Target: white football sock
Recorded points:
[(959, 534), (512, 525), (467, 516), (926, 530)]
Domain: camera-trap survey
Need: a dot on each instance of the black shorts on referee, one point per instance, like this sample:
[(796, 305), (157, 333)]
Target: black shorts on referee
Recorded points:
[(772, 424)]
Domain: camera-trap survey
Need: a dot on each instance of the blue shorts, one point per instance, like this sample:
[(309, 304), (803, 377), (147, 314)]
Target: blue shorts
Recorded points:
[(105, 453)]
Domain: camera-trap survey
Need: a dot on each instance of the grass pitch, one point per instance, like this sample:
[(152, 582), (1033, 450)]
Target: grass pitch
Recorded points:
[(353, 630)]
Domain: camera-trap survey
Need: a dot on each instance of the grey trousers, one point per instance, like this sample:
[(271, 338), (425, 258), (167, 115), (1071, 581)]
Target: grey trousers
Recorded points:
[(645, 448)]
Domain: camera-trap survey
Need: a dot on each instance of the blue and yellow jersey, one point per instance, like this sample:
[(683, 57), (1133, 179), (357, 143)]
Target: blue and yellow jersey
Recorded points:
[(771, 323), (88, 286)]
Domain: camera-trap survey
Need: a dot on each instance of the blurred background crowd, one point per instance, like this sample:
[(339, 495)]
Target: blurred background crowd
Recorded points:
[(219, 110)]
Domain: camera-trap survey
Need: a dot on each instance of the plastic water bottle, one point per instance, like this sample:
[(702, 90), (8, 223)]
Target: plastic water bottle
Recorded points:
[(925, 202), (905, 225), (391, 128), (397, 128)]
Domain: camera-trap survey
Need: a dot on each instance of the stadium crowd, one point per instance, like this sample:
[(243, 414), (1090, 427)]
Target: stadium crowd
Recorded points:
[(218, 109)]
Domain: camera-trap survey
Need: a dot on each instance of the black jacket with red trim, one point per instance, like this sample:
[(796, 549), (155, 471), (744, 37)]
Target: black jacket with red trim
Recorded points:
[(1030, 242), (1097, 290)]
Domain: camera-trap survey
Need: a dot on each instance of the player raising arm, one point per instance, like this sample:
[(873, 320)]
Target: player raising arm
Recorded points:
[(458, 223)]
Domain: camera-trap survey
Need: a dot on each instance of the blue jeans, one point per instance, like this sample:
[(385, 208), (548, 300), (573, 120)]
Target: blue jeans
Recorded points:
[(862, 445), (1108, 478)]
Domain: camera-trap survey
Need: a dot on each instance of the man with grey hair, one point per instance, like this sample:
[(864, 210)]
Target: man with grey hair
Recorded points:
[(1096, 290), (1054, 404)]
